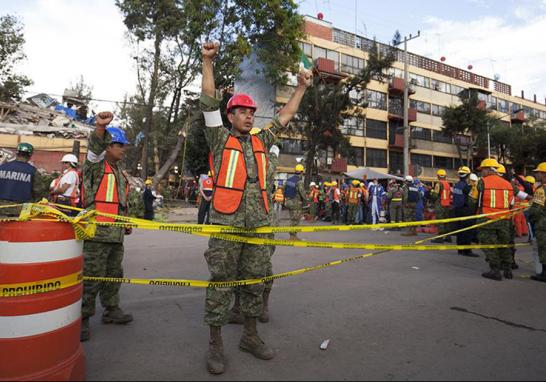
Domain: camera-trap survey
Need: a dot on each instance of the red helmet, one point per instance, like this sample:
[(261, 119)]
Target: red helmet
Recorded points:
[(241, 100)]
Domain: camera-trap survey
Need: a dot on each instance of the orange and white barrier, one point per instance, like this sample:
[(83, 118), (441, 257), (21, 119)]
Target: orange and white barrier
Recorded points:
[(40, 332)]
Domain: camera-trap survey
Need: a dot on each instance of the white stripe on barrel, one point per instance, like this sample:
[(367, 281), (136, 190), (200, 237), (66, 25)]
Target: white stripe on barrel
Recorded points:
[(39, 323), (39, 252)]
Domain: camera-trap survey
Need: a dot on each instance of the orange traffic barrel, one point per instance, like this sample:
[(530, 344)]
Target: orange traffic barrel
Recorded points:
[(40, 302)]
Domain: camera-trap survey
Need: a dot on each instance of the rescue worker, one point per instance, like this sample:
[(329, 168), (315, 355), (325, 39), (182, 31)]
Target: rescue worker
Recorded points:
[(240, 199), (294, 198), (501, 170), (520, 223), (65, 189), (334, 196), (314, 195), (19, 181), (353, 201), (278, 201), (394, 196), (532, 181), (410, 198), (537, 216), (376, 194), (463, 206), (148, 199), (496, 194), (205, 190), (105, 189), (441, 195)]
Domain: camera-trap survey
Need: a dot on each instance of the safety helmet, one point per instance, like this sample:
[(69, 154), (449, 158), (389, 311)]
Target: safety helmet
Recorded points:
[(473, 177), (255, 130), (463, 170), (25, 148), (530, 179), (299, 168), (241, 100), (209, 173), (71, 158), (118, 135), (489, 162), (441, 172), (355, 182), (334, 183), (312, 184), (362, 184), (501, 169), (409, 178), (541, 167), (148, 182)]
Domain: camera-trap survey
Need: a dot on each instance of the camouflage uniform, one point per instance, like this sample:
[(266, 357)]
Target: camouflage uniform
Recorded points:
[(37, 191), (409, 209), (103, 254), (537, 216), (295, 205), (228, 261), (394, 195)]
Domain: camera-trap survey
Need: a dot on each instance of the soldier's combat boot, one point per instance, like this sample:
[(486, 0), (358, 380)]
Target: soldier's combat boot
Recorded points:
[(508, 274), (542, 276), (84, 333), (264, 316), (215, 356), (235, 316), (114, 315), (250, 342), (493, 274)]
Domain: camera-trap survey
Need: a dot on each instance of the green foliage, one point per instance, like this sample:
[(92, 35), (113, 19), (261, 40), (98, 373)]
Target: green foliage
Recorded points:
[(136, 204), (197, 152), (11, 53)]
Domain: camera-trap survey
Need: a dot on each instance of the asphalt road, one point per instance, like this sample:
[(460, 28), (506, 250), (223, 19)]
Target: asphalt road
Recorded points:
[(395, 316)]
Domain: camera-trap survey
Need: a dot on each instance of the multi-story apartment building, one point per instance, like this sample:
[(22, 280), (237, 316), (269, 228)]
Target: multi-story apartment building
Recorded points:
[(377, 137)]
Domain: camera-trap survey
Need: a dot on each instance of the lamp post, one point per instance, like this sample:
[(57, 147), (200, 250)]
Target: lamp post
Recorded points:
[(497, 119)]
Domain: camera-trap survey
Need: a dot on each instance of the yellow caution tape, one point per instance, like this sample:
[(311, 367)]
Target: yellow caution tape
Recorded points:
[(40, 286)]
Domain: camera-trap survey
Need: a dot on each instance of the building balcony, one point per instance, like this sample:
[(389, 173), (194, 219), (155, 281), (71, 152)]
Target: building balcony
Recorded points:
[(396, 141), (518, 117), (329, 69), (396, 87), (396, 113), (339, 165)]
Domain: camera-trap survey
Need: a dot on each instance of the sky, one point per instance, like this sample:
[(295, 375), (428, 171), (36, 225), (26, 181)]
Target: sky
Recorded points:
[(66, 39)]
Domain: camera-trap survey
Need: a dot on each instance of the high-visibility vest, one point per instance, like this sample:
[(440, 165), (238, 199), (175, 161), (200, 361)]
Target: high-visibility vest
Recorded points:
[(445, 194), (497, 196), (106, 198), (74, 196), (207, 184), (314, 194), (279, 195), (353, 196), (231, 179), (335, 194)]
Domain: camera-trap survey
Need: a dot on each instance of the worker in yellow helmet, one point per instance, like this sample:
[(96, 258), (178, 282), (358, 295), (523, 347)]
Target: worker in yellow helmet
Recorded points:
[(441, 195), (537, 215), (464, 206), (295, 198)]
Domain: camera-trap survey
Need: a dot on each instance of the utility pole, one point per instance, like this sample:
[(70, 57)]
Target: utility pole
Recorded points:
[(406, 103)]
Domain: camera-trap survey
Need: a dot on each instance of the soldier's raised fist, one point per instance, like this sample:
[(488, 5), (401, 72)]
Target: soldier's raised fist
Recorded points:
[(210, 49), (104, 118)]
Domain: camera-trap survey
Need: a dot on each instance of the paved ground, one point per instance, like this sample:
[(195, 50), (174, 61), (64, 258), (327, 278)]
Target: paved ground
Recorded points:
[(396, 316)]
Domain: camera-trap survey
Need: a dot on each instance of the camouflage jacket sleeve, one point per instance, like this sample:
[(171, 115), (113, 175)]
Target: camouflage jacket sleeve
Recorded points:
[(216, 136), (38, 188), (301, 190), (537, 211)]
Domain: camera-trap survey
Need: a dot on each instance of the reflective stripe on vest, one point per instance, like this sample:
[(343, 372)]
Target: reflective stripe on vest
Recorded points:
[(445, 196), (353, 196), (230, 182), (498, 195), (106, 198), (279, 195)]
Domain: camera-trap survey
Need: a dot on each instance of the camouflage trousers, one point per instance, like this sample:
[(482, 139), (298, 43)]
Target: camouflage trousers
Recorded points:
[(497, 233), (9, 212), (395, 211), (443, 213), (409, 216), (101, 260), (229, 261), (352, 210), (295, 211), (541, 242), (314, 210)]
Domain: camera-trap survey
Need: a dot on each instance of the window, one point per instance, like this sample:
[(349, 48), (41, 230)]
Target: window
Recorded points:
[(351, 64), (459, 162), (418, 80), (376, 158), (353, 126), (443, 162), (503, 105), (318, 52), (357, 157), (396, 162), (440, 86), (306, 48), (437, 110), (422, 160), (376, 100), (441, 137), (395, 72), (293, 146), (334, 56), (421, 133), (422, 107), (491, 103), (514, 107), (455, 90), (376, 129)]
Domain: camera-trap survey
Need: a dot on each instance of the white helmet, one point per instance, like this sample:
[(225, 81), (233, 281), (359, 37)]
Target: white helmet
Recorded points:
[(70, 158), (312, 184), (473, 177), (409, 178)]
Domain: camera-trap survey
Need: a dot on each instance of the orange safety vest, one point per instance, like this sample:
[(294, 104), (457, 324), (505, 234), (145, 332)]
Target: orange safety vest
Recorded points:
[(106, 198), (497, 196), (207, 184), (353, 195), (74, 198), (279, 195), (314, 194), (445, 195), (335, 194), (231, 179)]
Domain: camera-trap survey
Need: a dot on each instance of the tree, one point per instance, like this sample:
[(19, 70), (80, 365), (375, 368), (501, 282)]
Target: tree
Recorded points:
[(327, 104), (81, 90), (171, 34), (11, 53), (467, 124)]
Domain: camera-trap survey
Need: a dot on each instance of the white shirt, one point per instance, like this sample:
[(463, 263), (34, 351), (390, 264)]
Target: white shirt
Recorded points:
[(71, 178)]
